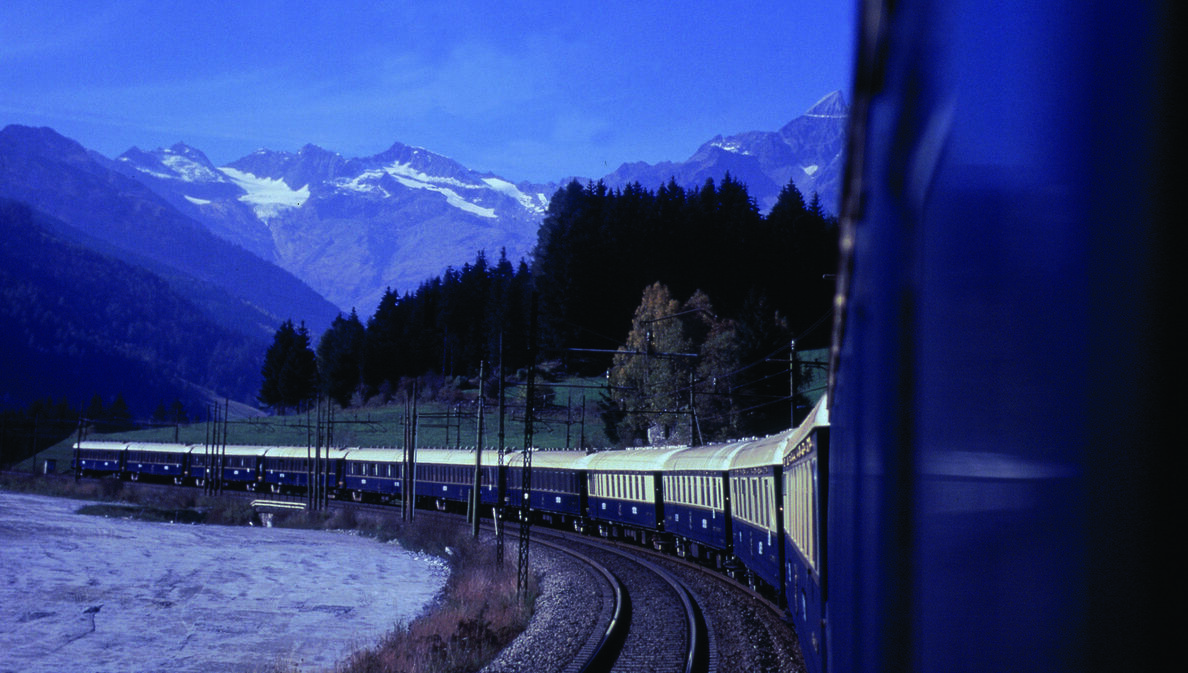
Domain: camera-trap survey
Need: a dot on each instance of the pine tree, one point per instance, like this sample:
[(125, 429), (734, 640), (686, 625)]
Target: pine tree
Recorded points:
[(290, 369), (274, 364), (340, 358), (299, 376)]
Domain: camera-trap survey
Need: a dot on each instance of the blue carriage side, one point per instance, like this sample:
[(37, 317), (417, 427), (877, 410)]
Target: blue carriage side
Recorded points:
[(374, 474), (241, 465), (445, 477), (805, 491), (758, 539), (626, 495), (99, 458), (697, 501), (558, 494), (156, 462), (288, 469)]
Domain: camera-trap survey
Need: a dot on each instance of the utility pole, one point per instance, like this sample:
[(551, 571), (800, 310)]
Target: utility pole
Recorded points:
[(500, 475), (404, 463), (526, 481), (410, 479), (792, 377), (223, 446), (78, 450), (475, 491)]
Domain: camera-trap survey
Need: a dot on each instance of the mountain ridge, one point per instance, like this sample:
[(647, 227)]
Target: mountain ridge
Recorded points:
[(352, 228)]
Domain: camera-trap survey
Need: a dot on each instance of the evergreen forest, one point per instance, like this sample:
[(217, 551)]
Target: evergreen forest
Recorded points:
[(686, 302)]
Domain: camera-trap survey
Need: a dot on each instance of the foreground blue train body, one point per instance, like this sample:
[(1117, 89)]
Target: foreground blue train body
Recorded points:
[(1002, 338)]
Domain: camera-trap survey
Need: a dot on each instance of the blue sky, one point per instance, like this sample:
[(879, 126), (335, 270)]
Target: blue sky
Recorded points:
[(529, 90)]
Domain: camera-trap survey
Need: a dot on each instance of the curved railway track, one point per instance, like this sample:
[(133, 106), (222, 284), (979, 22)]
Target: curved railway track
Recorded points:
[(660, 627)]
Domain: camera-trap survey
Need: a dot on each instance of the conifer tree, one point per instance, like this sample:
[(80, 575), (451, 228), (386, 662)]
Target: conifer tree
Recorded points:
[(290, 368), (340, 358)]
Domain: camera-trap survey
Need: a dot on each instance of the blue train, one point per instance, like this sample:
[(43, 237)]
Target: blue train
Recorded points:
[(726, 505)]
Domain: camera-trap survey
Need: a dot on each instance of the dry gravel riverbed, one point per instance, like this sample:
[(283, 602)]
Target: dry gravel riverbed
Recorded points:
[(94, 594)]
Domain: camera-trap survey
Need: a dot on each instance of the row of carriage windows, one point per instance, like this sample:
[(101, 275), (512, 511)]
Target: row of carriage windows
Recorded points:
[(200, 460), (452, 474), (700, 490), (754, 500), (621, 486), (155, 457), (556, 481), (800, 487), (389, 470)]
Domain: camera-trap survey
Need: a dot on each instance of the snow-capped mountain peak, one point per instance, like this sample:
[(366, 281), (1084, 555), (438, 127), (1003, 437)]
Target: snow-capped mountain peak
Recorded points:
[(179, 162), (832, 106)]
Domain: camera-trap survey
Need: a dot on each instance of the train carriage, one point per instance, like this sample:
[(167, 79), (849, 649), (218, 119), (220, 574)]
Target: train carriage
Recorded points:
[(241, 465), (287, 469), (156, 462), (626, 492), (374, 474), (99, 458), (558, 494), (697, 500), (445, 477), (805, 489), (757, 527)]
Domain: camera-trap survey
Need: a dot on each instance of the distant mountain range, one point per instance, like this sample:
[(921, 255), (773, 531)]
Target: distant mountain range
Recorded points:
[(304, 235), (807, 151), (352, 228)]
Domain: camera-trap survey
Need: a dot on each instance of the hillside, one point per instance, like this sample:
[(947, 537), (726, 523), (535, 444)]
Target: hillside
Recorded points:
[(79, 323), (126, 219)]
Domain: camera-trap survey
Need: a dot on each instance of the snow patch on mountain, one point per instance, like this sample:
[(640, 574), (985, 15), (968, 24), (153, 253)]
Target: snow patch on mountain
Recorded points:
[(506, 188), (366, 182), (410, 177), (197, 201), (730, 146), (188, 170), (267, 197), (148, 171)]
